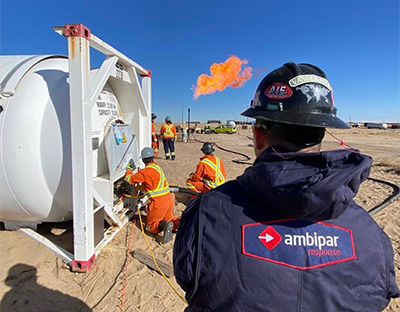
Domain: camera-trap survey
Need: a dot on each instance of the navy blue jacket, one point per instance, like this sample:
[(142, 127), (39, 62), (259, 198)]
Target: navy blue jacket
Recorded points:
[(286, 236)]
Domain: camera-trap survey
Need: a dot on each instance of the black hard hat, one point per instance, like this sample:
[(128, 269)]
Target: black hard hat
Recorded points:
[(297, 94), (153, 116), (207, 148)]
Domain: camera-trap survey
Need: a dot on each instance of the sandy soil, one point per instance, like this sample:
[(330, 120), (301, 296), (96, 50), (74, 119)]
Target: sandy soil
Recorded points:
[(32, 278)]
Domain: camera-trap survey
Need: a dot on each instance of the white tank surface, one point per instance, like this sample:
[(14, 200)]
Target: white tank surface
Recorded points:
[(231, 124), (35, 148), (374, 125)]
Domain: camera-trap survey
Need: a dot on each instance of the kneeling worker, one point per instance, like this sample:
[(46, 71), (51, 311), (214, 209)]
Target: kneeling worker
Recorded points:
[(160, 215), (210, 172)]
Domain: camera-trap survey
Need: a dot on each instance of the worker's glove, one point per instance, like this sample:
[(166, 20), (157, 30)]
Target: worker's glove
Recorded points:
[(191, 175), (130, 165), (139, 188)]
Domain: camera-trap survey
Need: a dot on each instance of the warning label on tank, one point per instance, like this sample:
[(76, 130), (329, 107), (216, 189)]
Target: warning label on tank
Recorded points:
[(106, 108)]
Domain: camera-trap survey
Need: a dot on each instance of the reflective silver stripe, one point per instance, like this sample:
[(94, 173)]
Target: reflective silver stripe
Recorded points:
[(161, 189), (219, 178), (168, 131), (190, 186), (153, 194)]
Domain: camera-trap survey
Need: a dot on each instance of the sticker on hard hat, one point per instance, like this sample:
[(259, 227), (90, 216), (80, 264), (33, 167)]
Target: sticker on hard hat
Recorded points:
[(303, 79), (278, 91), (298, 244)]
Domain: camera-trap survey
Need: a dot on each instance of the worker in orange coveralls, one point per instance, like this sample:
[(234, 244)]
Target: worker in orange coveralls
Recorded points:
[(160, 215), (154, 140), (210, 172), (168, 133)]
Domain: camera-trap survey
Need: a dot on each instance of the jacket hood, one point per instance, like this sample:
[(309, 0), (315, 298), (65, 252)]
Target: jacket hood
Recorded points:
[(310, 186)]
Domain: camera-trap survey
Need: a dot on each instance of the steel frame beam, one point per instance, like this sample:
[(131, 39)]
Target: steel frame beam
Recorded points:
[(83, 95)]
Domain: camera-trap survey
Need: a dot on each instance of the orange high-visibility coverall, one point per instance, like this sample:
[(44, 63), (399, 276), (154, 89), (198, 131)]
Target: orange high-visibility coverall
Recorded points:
[(210, 173), (168, 133), (154, 140), (161, 205)]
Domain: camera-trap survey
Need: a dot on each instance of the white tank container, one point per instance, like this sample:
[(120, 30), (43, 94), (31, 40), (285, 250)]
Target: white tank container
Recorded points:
[(35, 149), (231, 123)]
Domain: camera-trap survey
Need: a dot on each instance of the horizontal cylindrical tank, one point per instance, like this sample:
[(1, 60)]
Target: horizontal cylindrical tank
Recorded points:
[(35, 148), (374, 125)]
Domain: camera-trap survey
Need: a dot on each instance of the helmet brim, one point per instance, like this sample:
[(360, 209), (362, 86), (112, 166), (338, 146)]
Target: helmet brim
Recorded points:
[(294, 118), (208, 151)]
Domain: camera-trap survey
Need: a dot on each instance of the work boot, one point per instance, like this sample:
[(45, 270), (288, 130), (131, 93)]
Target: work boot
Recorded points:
[(166, 157), (173, 157), (166, 227)]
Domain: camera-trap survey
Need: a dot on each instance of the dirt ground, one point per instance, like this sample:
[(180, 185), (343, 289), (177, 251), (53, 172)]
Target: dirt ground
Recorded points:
[(32, 278)]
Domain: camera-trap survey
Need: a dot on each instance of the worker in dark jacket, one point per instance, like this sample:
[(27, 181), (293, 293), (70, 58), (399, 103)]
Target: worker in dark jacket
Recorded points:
[(287, 235)]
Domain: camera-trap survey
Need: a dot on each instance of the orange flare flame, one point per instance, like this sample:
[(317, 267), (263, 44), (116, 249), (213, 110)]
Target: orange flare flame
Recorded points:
[(223, 75)]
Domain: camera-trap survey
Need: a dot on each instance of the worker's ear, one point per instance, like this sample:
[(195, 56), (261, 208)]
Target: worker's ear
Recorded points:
[(259, 140)]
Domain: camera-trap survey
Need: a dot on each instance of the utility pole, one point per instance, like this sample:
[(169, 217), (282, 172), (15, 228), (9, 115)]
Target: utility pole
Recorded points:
[(182, 113), (188, 119)]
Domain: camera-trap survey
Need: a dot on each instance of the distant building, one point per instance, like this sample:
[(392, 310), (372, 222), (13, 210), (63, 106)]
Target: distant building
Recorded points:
[(242, 122), (214, 121)]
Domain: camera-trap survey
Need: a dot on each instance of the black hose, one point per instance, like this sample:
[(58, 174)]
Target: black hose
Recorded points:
[(244, 162), (373, 211), (387, 201), (177, 189)]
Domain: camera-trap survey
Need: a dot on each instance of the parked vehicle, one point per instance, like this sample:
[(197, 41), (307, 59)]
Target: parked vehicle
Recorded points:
[(224, 129), (206, 130)]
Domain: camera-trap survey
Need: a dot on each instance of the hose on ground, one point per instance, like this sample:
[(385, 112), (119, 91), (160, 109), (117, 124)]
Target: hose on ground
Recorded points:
[(238, 161), (124, 281), (373, 211), (387, 201), (154, 258), (177, 189)]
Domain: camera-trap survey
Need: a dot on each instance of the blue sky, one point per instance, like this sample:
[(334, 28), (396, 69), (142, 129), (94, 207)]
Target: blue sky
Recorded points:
[(355, 42)]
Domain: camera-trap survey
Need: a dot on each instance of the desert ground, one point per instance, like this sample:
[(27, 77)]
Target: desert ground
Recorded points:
[(32, 278)]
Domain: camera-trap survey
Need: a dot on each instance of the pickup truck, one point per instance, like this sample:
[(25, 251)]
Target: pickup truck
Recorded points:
[(223, 129)]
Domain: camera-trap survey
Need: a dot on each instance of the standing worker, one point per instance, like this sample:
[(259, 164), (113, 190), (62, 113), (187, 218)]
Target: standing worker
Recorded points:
[(154, 140), (286, 235), (160, 213), (168, 133), (210, 171)]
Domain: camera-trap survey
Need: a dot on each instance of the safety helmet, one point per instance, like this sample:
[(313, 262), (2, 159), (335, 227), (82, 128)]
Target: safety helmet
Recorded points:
[(207, 148), (297, 94), (153, 116), (147, 152), (167, 119)]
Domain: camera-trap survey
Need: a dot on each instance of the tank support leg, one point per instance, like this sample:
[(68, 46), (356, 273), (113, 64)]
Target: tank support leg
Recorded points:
[(81, 146)]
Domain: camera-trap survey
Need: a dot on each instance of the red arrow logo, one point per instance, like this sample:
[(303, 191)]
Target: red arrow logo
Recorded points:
[(270, 238)]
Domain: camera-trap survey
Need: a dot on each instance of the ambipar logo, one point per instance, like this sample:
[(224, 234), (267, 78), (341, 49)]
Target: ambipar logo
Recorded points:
[(297, 243), (271, 238)]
